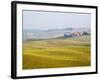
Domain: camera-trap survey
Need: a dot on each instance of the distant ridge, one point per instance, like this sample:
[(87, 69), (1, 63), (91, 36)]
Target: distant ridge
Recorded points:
[(50, 33)]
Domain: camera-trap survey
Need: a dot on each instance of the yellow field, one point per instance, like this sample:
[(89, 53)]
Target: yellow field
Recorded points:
[(54, 53)]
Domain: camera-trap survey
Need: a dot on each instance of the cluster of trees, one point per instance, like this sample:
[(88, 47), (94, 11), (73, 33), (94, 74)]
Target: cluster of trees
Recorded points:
[(86, 33)]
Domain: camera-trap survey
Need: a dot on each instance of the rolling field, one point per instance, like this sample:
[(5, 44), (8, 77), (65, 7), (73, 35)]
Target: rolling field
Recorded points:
[(58, 52)]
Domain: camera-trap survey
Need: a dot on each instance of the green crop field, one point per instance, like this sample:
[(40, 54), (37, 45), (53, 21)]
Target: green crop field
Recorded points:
[(55, 53)]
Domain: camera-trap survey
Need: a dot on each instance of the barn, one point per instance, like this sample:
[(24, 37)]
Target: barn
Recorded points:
[(76, 34), (73, 34)]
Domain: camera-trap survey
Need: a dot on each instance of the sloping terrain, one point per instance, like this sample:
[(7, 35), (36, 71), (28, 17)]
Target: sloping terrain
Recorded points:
[(58, 52)]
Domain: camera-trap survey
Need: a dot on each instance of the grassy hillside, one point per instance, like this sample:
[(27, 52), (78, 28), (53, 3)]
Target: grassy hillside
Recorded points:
[(59, 52)]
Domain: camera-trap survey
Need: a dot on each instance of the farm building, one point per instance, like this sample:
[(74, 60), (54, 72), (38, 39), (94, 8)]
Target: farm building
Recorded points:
[(68, 34), (73, 34), (76, 34)]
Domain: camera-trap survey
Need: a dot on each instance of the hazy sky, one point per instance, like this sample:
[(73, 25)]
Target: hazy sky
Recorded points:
[(54, 20)]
